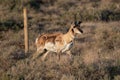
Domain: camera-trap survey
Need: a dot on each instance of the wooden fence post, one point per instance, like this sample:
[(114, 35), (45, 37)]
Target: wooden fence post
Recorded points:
[(25, 31)]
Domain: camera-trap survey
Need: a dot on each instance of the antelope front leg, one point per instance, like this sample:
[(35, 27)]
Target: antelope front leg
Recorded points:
[(69, 53)]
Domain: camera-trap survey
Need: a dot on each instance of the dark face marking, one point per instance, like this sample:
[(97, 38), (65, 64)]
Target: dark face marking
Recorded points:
[(80, 30), (77, 25)]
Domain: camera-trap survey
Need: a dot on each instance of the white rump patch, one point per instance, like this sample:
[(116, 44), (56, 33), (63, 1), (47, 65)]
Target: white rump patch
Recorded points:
[(36, 40)]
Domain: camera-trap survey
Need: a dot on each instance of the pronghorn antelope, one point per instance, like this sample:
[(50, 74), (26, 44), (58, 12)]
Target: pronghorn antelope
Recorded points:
[(57, 42)]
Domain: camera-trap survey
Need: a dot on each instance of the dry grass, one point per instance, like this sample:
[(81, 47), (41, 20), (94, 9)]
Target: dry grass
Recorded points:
[(92, 55), (96, 53)]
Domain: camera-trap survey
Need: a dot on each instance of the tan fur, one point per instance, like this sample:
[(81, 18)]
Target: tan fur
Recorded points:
[(56, 42)]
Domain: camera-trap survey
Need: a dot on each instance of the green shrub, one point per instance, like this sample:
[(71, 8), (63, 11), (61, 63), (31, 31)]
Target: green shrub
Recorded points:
[(11, 24), (107, 15)]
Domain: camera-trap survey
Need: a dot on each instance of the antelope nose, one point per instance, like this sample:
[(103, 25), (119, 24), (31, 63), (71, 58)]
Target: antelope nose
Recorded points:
[(81, 31)]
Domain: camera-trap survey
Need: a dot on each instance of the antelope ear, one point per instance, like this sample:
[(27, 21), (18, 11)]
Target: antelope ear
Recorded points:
[(77, 23), (72, 24)]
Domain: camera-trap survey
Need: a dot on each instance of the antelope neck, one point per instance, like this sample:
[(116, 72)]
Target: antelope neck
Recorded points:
[(69, 36)]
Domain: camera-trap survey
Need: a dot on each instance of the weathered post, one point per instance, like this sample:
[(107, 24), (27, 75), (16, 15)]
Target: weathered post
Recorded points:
[(25, 30)]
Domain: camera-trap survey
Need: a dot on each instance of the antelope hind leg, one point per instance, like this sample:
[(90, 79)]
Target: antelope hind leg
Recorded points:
[(44, 56), (38, 53)]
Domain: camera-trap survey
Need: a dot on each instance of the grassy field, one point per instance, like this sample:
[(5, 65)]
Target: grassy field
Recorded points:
[(95, 55)]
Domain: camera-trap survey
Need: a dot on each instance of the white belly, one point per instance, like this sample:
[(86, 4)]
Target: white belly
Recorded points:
[(52, 47)]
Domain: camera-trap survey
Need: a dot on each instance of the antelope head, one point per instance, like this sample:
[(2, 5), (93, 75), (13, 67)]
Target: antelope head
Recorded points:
[(76, 27)]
